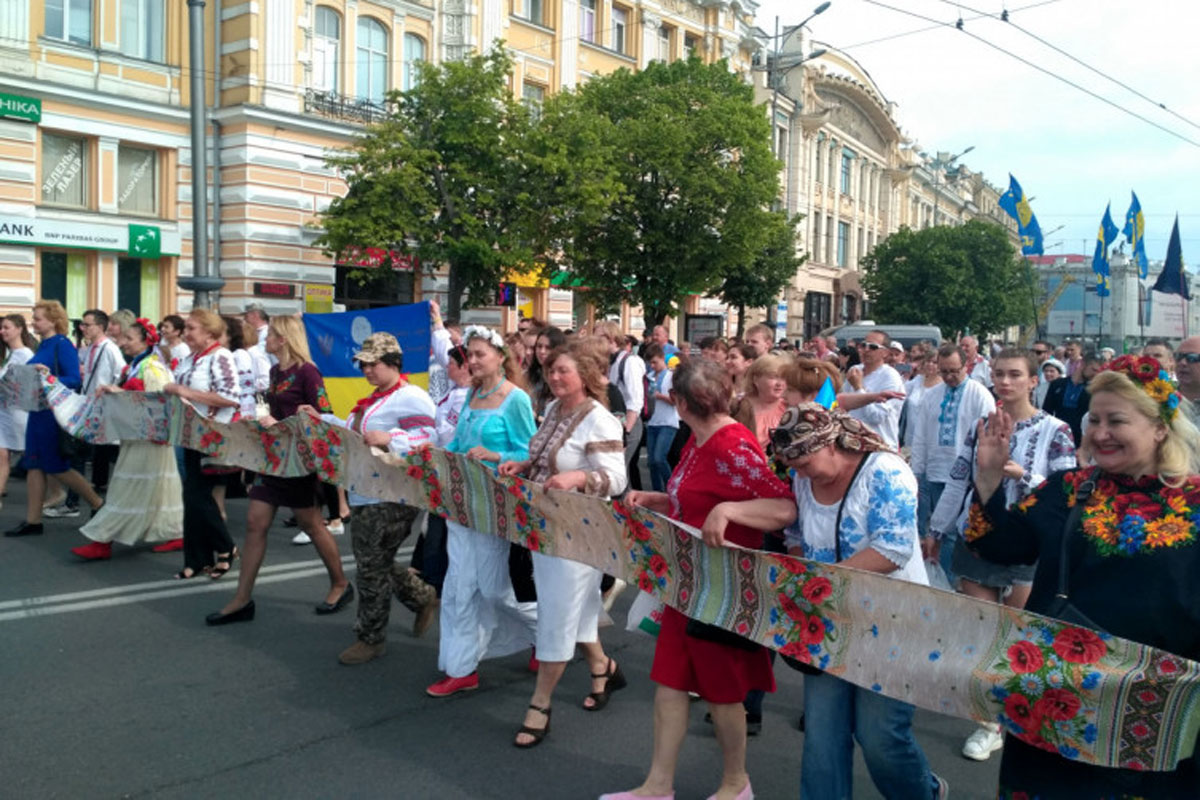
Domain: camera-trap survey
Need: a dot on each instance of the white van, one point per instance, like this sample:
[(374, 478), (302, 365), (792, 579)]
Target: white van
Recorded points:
[(907, 335)]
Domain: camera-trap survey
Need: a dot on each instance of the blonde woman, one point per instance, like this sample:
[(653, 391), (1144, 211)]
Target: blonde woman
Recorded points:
[(762, 407), (295, 382)]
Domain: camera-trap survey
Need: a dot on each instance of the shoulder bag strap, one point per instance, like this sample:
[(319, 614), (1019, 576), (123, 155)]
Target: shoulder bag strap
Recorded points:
[(837, 525), (1062, 593)]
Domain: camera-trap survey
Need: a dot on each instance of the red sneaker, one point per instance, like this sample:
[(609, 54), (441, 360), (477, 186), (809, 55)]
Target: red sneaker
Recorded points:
[(448, 686), (94, 551), (168, 547)]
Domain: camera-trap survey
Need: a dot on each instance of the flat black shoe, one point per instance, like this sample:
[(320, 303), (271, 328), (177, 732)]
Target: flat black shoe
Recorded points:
[(243, 614), (291, 522), (339, 604), (26, 529)]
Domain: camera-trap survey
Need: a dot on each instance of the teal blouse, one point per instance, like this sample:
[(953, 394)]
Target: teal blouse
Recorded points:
[(505, 429)]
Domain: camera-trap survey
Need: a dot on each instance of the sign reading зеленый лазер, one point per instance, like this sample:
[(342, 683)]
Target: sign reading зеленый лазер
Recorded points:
[(16, 106)]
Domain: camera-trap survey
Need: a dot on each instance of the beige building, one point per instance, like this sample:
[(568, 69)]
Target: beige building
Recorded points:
[(95, 193)]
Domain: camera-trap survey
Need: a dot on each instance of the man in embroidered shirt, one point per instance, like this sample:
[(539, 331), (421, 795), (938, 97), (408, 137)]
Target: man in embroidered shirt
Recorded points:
[(978, 368), (877, 395), (943, 419), (1187, 369), (101, 363)]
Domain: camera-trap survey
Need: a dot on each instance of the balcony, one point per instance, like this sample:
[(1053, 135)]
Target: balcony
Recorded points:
[(336, 106)]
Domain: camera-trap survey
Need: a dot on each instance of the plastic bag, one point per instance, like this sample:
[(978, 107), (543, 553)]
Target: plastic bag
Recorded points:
[(645, 615), (937, 576)]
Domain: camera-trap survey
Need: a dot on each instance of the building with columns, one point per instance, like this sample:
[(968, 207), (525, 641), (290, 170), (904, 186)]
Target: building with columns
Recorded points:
[(95, 160)]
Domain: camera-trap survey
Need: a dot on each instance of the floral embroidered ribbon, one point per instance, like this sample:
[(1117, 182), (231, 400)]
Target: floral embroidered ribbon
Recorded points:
[(1084, 695)]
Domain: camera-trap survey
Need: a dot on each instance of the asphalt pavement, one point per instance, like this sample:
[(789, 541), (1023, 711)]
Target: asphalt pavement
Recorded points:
[(111, 686)]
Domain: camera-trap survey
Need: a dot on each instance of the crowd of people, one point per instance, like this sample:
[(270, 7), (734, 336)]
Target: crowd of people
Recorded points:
[(930, 463)]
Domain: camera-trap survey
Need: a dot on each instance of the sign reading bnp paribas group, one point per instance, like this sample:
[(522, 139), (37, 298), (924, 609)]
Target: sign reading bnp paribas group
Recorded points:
[(139, 241), (16, 106)]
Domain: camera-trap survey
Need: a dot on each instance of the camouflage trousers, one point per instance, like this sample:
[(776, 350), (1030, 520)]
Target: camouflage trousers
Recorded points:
[(376, 533)]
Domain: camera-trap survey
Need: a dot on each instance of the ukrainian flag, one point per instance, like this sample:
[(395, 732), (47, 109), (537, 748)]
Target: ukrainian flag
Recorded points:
[(1105, 236), (335, 338)]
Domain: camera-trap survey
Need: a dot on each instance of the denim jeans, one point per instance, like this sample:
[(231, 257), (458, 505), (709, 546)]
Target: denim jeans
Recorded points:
[(836, 715), (658, 445)]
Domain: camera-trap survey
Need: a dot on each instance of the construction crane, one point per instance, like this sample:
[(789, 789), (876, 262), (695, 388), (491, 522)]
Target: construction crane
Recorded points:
[(1043, 312)]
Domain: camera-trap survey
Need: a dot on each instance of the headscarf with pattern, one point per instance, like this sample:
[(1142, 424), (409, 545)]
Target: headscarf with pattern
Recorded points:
[(808, 427)]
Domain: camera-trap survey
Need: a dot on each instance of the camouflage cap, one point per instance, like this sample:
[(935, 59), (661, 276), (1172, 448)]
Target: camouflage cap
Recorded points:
[(375, 346)]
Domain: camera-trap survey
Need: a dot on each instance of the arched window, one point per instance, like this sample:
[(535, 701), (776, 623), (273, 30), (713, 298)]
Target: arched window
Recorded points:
[(372, 57), (414, 51), (327, 37)]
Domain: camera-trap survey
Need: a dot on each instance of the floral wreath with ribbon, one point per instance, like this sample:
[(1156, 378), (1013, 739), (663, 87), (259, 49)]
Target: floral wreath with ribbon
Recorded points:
[(147, 328), (1148, 375), (487, 334)]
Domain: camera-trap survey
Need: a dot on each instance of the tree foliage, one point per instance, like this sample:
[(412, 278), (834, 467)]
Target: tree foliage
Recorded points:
[(758, 283), (958, 278), (691, 157)]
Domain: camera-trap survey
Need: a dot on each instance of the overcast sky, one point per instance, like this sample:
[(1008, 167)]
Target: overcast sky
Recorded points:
[(1071, 152)]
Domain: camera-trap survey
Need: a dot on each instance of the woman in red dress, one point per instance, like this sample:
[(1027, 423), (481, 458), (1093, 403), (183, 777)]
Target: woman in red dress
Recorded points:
[(724, 486)]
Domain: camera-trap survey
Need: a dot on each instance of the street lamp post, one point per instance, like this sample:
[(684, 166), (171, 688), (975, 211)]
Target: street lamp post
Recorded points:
[(938, 166)]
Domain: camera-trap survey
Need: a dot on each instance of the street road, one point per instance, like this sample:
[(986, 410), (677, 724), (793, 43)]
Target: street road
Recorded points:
[(112, 686)]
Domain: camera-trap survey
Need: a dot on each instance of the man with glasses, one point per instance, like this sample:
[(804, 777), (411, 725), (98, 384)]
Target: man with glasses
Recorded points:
[(1187, 370), (943, 419), (878, 391)]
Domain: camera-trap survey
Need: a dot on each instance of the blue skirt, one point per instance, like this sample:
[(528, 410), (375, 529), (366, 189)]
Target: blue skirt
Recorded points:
[(41, 444)]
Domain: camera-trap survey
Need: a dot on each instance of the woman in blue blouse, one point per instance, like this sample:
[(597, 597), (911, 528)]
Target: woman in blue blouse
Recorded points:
[(58, 357), (495, 425)]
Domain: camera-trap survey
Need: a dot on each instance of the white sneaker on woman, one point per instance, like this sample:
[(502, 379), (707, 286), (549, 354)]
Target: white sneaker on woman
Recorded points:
[(301, 538), (986, 740)]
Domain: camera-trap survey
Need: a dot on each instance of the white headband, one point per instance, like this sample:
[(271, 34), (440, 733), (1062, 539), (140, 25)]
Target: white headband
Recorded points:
[(487, 334)]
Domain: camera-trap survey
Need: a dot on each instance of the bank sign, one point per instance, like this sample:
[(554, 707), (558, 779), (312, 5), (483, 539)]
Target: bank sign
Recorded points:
[(15, 106), (138, 241)]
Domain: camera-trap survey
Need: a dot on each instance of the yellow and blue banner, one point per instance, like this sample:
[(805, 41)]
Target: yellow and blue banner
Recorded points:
[(1016, 205), (1135, 232), (1105, 236), (335, 338)]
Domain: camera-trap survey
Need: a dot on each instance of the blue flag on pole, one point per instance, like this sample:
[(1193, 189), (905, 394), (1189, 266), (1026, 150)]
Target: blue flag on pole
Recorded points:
[(1172, 279), (1105, 236), (335, 338), (1135, 230), (1016, 205)]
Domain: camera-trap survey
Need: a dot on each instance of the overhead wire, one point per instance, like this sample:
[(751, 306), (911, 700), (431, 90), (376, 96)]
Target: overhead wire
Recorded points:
[(1041, 69), (940, 25)]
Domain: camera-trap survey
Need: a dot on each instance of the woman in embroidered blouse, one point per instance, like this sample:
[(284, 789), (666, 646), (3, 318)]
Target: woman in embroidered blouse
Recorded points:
[(55, 356), (856, 506), (295, 382), (16, 347), (579, 447), (496, 425), (1131, 572), (207, 379), (724, 486), (145, 497)]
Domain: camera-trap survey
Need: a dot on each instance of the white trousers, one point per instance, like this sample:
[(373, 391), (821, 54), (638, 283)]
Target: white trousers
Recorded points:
[(569, 606), (480, 615)]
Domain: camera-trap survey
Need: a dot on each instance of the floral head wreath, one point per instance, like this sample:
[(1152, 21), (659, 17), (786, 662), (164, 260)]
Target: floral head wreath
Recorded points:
[(1148, 375), (487, 334), (148, 328)]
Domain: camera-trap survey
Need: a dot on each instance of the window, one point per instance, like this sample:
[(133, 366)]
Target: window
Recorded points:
[(847, 165), (843, 241), (820, 168), (372, 59), (533, 96), (587, 20), (620, 28), (818, 308), (664, 44), (64, 170), (827, 245), (137, 180), (385, 287), (414, 51), (64, 278), (529, 9), (689, 46), (327, 38), (849, 306), (69, 20), (142, 33)]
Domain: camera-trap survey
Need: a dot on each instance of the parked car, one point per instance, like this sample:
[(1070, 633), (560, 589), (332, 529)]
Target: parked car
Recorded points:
[(907, 335)]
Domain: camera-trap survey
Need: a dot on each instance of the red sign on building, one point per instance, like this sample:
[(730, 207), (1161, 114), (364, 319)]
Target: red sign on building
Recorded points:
[(376, 257)]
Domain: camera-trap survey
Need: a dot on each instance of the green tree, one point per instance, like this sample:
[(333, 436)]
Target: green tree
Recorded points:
[(959, 278), (445, 177), (758, 283), (695, 176)]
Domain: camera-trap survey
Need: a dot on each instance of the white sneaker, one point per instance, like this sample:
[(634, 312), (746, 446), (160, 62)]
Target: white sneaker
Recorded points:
[(301, 538), (60, 511), (336, 527), (983, 742)]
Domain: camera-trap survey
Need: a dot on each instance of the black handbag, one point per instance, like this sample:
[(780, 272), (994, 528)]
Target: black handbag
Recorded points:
[(792, 661), (1061, 607)]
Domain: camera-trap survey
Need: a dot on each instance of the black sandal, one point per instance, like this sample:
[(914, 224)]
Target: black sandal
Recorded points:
[(227, 560), (614, 683), (538, 734)]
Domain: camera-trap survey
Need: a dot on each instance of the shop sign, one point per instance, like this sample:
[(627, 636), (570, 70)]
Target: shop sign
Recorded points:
[(283, 291), (16, 106), (139, 241), (318, 298), (376, 256)]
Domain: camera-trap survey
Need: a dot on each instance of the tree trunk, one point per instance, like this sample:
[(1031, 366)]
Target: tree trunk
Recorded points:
[(455, 293), (741, 326)]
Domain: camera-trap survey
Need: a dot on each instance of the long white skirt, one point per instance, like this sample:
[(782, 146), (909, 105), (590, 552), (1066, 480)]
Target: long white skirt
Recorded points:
[(145, 497), (480, 615), (569, 606)]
